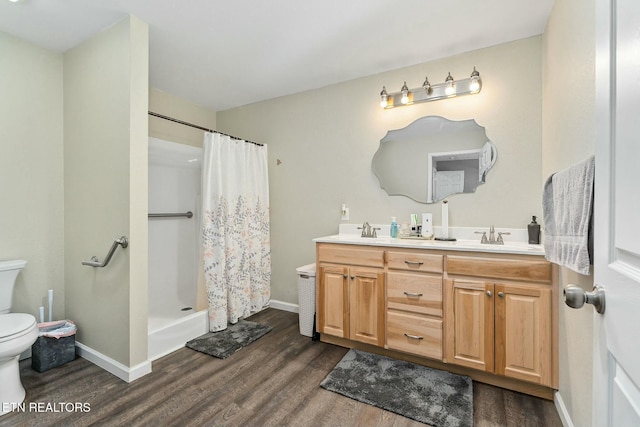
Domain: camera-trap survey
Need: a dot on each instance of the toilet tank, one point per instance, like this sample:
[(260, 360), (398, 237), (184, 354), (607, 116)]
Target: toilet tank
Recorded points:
[(8, 272)]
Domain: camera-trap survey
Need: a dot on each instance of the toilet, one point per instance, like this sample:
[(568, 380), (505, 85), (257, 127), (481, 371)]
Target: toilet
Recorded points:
[(18, 331)]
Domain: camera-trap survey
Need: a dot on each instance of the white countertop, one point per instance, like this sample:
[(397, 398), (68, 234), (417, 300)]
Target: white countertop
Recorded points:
[(510, 247)]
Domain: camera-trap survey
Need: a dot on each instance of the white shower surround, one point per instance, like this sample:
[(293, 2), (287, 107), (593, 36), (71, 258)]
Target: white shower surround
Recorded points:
[(174, 186)]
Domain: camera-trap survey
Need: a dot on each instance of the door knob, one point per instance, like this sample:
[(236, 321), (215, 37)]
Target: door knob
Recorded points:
[(575, 297)]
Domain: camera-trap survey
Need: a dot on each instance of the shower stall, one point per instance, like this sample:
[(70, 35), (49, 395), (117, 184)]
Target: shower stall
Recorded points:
[(174, 246)]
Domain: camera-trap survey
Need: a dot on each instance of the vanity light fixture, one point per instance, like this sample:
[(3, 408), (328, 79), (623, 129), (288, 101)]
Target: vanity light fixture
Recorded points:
[(428, 92), (404, 98), (426, 85), (450, 85), (384, 97), (474, 84)]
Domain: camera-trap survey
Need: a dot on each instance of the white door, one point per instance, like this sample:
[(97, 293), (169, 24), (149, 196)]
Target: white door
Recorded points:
[(616, 386), (448, 183)]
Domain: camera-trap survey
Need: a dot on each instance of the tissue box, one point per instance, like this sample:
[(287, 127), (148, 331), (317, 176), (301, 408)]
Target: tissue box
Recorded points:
[(48, 352)]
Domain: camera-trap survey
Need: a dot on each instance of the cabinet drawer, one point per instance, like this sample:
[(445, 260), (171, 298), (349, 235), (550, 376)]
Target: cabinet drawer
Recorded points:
[(418, 293), (414, 261), (414, 334), (517, 269), (352, 255)]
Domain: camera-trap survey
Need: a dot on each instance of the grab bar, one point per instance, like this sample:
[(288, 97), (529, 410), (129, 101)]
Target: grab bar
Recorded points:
[(95, 262), (169, 215)]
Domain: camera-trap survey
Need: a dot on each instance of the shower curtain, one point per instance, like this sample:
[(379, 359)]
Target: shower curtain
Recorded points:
[(235, 229)]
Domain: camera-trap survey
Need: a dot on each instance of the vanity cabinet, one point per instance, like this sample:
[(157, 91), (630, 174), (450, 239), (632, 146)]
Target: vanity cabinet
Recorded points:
[(501, 323), (414, 303), (491, 316), (350, 300)]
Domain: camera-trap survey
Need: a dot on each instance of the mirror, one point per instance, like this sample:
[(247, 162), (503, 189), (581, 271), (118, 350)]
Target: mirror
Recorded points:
[(434, 158)]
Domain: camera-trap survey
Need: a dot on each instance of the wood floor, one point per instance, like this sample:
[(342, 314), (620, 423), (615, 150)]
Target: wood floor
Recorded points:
[(273, 382)]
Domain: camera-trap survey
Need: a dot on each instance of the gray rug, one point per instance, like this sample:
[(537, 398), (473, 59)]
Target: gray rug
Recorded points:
[(433, 397), (223, 344)]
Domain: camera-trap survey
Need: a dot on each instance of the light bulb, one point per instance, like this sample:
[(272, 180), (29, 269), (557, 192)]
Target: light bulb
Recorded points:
[(384, 98), (450, 88), (474, 85), (426, 85), (405, 94)]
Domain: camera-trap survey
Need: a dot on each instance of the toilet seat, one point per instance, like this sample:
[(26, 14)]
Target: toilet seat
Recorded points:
[(14, 325)]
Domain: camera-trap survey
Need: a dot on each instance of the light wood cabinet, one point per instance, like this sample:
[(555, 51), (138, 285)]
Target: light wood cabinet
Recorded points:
[(414, 303), (490, 316), (502, 327), (366, 305), (333, 294), (470, 341), (350, 298), (523, 332)]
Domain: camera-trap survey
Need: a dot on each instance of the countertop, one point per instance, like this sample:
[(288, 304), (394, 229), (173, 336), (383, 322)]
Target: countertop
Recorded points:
[(467, 245)]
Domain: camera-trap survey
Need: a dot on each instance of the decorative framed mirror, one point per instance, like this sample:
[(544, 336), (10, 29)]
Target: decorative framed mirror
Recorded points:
[(434, 158)]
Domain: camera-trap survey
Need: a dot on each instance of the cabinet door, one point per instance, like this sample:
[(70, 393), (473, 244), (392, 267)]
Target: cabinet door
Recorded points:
[(366, 305), (333, 301), (523, 332), (470, 341)]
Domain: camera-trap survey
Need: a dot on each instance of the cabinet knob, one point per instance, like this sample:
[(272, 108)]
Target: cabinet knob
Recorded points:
[(501, 294), (344, 275), (353, 277), (489, 294)]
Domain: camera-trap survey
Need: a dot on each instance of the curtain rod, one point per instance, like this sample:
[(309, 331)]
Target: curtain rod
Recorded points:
[(171, 119)]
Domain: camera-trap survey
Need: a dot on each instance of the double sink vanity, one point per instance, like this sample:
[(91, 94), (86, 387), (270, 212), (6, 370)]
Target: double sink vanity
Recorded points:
[(486, 311)]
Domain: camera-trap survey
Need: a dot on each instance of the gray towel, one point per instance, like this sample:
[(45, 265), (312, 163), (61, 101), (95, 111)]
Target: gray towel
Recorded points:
[(567, 205)]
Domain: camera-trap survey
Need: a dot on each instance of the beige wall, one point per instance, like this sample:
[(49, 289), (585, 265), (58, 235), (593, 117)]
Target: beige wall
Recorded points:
[(172, 106), (568, 136), (31, 138), (105, 172), (326, 139)]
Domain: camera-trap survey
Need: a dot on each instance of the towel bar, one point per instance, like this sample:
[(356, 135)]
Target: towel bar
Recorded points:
[(169, 215)]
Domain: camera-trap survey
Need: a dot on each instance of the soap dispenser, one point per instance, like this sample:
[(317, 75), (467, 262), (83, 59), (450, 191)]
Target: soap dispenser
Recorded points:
[(534, 232), (394, 228)]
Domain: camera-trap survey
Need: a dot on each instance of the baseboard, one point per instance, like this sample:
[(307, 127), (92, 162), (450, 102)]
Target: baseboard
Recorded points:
[(562, 410), (285, 306), (125, 373)]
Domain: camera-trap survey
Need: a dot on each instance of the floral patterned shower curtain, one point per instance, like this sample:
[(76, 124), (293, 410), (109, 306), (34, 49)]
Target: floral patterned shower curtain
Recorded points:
[(235, 228)]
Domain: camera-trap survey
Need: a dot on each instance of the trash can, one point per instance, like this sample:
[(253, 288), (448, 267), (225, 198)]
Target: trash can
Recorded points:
[(55, 346), (306, 298)]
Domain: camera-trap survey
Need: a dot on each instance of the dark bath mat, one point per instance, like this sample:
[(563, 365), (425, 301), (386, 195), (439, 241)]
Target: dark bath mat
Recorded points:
[(223, 344), (433, 397)]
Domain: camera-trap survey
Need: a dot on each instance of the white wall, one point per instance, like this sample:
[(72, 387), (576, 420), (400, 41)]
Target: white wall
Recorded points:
[(326, 138), (105, 172), (31, 175), (568, 136)]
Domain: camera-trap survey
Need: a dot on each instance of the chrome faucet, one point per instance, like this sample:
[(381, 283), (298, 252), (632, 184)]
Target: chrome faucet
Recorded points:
[(368, 231), (492, 237)]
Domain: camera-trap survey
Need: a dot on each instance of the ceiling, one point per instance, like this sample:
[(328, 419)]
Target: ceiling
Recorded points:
[(221, 54)]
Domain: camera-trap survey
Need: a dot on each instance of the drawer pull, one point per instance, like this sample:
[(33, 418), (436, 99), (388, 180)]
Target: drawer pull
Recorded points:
[(412, 294), (413, 262), (415, 337)]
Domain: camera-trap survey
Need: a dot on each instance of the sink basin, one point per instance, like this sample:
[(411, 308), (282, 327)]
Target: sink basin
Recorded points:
[(507, 247)]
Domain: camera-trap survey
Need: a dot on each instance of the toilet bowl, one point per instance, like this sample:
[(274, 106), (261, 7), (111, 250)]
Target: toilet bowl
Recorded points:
[(18, 331)]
